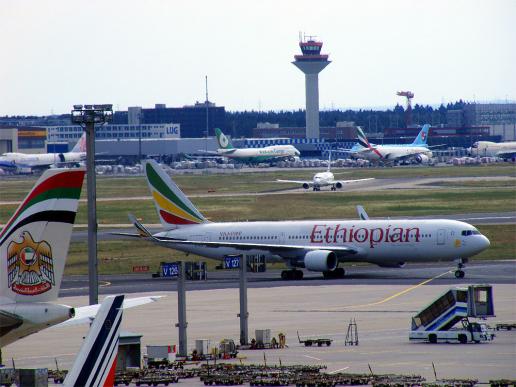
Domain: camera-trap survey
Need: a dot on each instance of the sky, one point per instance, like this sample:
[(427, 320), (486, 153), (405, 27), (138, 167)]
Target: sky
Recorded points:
[(138, 53)]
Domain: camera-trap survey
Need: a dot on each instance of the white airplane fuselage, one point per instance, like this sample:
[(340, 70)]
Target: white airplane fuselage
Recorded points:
[(383, 242), (492, 149), (43, 159), (392, 152), (322, 179), (261, 154)]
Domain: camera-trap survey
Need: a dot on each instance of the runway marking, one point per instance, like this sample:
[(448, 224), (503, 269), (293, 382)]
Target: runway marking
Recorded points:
[(312, 357), (340, 369), (389, 298), (396, 295)]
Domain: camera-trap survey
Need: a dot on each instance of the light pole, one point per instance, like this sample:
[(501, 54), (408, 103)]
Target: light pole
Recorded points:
[(87, 116)]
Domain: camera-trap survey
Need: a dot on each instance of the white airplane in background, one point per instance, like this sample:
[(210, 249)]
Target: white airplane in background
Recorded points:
[(33, 249), (418, 150), (23, 161), (323, 179), (253, 155), (504, 150), (317, 245)]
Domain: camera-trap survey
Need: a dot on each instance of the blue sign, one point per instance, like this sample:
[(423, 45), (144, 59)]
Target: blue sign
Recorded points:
[(231, 262), (170, 269)]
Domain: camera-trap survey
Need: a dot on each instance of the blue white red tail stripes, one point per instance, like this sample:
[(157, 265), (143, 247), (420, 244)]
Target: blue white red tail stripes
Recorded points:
[(96, 362)]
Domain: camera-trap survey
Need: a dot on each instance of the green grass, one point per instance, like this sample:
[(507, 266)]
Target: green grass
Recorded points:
[(261, 181), (310, 206)]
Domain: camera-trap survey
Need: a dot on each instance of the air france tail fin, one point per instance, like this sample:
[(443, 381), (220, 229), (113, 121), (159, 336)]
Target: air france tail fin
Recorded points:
[(422, 137), (362, 139), (174, 208), (34, 242), (95, 363), (223, 141), (81, 144)]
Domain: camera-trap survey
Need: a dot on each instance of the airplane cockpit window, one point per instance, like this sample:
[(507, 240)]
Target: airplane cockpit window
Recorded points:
[(470, 232)]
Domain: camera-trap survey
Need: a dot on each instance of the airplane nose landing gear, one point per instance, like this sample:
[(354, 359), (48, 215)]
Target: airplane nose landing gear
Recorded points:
[(459, 273)]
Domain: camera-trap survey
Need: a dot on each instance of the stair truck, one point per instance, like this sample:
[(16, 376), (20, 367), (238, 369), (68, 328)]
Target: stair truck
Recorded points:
[(438, 322)]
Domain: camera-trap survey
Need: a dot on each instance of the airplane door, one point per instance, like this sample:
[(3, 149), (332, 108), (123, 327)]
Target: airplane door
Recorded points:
[(441, 236), (281, 237)]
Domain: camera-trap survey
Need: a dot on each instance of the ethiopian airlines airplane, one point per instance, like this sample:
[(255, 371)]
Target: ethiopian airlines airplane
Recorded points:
[(254, 155), (317, 245), (418, 150), (22, 161), (33, 249)]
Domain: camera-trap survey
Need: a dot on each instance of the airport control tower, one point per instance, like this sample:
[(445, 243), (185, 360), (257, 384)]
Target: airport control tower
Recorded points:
[(312, 62)]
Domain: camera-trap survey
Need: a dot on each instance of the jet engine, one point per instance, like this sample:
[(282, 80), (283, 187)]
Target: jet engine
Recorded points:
[(422, 159), (391, 264), (338, 185), (321, 260), (306, 185)]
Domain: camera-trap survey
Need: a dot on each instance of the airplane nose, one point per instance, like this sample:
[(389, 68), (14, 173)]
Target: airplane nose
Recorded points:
[(484, 242)]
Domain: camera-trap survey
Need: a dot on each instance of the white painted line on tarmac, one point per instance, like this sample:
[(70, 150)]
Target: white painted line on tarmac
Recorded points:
[(340, 369), (312, 357)]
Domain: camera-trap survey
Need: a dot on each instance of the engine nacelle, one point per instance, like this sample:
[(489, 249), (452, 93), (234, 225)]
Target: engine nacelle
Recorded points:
[(306, 185), (320, 260), (338, 185), (422, 159), (391, 264)]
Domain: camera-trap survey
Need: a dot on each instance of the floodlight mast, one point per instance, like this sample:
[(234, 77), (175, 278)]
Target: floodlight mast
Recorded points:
[(87, 116)]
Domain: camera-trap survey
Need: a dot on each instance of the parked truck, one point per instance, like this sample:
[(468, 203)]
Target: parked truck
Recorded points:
[(438, 321)]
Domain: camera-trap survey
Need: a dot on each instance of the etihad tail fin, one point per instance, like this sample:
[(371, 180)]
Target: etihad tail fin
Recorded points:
[(81, 144), (223, 141), (34, 242), (174, 208), (95, 363), (422, 137)]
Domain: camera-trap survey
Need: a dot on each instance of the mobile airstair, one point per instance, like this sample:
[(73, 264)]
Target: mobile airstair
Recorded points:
[(436, 322)]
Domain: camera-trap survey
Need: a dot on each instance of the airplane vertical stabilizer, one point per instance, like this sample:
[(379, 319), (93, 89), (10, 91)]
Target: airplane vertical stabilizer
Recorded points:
[(95, 363), (223, 141), (34, 242), (81, 144), (174, 208), (422, 137)]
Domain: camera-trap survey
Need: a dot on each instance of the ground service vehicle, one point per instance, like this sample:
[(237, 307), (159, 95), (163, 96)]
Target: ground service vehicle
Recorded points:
[(436, 323)]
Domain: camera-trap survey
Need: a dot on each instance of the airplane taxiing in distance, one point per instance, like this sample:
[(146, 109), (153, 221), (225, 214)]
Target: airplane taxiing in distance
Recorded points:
[(323, 179), (317, 245), (22, 162), (253, 155), (504, 150), (388, 153), (33, 250)]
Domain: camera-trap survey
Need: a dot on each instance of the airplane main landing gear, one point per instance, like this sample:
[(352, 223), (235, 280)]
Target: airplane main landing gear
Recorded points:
[(459, 273), (339, 272), (316, 188), (292, 275), (333, 188)]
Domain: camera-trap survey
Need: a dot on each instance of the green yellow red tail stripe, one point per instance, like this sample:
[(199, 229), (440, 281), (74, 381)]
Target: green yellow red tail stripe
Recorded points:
[(174, 208)]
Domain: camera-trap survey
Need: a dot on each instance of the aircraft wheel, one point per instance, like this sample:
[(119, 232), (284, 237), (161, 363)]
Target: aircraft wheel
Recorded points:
[(340, 272), (459, 274), (298, 274), (285, 275)]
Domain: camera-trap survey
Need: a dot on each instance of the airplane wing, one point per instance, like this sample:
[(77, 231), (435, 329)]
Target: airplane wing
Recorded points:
[(86, 314), (309, 182), (350, 181), (273, 248)]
